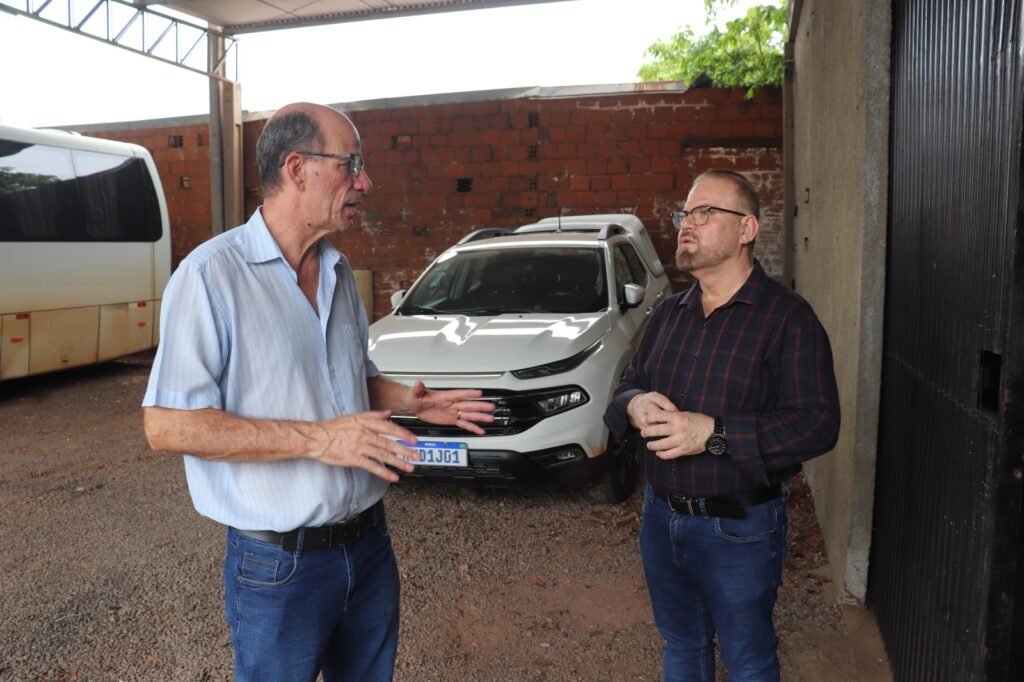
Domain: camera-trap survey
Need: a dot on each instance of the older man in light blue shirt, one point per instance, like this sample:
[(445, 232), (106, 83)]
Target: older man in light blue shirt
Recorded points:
[(263, 380)]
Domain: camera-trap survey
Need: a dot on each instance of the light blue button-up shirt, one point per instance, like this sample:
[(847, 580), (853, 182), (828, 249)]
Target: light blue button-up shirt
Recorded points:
[(238, 335)]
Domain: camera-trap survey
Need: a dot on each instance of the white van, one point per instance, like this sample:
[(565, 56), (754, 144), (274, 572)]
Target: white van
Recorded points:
[(84, 250)]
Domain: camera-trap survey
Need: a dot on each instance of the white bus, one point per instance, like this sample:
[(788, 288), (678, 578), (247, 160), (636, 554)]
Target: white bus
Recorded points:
[(84, 250)]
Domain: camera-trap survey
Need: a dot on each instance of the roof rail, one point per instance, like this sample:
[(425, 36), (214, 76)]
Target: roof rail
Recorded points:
[(543, 227), (484, 233), (610, 230)]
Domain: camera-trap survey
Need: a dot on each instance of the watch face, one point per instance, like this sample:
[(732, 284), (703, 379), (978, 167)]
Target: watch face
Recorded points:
[(716, 445)]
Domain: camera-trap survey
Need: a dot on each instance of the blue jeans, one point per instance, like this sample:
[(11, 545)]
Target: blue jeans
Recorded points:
[(294, 614), (709, 576)]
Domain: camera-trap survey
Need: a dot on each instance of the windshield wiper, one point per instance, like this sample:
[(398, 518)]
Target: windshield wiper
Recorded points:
[(418, 310), (493, 310)]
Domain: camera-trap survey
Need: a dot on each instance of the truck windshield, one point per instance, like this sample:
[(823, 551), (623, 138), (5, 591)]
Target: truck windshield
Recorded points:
[(491, 282)]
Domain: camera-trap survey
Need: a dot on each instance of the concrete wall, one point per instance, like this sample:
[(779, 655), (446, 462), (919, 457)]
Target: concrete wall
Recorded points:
[(839, 171), (443, 165)]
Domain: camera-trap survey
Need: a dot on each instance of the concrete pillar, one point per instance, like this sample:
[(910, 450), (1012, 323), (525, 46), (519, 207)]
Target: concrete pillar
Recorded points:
[(226, 200), (840, 163)]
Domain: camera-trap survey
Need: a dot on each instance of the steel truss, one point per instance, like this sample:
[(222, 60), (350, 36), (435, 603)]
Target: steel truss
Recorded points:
[(139, 29)]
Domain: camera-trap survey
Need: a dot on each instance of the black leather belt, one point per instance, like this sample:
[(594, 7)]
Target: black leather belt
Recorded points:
[(322, 537), (727, 506)]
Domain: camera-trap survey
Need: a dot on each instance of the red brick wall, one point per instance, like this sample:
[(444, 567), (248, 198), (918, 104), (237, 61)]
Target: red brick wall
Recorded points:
[(526, 158)]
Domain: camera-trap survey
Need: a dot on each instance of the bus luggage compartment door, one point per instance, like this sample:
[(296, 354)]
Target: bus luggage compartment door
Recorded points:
[(14, 345), (125, 328), (63, 338)]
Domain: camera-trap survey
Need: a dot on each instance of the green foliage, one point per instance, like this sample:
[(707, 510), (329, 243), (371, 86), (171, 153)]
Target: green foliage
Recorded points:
[(12, 182), (748, 53)]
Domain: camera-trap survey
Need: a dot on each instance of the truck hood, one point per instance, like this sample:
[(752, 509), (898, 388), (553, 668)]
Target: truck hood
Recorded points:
[(456, 343)]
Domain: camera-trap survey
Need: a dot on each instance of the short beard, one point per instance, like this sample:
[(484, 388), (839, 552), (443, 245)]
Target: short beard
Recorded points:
[(699, 259)]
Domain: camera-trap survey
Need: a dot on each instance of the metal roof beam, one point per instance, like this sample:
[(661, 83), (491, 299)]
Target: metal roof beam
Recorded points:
[(127, 26)]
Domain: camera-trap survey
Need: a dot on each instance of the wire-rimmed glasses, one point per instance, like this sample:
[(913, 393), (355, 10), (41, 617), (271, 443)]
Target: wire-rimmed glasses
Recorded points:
[(355, 161), (699, 215)]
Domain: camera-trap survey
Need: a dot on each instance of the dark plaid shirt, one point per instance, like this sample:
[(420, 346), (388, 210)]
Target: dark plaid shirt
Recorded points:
[(762, 362)]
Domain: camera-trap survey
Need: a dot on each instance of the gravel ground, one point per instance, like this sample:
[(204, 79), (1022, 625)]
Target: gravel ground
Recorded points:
[(108, 573)]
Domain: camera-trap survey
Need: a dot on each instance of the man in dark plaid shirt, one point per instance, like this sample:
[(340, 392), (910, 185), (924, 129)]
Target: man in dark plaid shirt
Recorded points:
[(731, 388)]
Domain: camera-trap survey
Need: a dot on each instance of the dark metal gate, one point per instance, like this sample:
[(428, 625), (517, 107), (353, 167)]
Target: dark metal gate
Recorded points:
[(948, 491)]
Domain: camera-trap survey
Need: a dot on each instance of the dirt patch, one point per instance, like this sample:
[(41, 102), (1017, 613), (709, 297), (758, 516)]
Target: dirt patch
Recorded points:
[(108, 573)]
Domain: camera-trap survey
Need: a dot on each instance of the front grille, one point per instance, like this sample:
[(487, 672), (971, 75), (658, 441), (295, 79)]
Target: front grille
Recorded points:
[(474, 470), (514, 412)]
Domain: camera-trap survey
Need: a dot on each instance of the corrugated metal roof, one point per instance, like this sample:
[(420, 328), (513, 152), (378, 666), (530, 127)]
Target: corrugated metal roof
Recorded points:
[(249, 16)]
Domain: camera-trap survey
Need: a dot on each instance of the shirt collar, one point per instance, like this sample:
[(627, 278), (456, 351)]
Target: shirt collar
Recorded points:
[(261, 247), (752, 292)]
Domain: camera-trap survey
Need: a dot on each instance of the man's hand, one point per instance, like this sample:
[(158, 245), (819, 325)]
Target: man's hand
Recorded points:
[(677, 434), (456, 407), (366, 440), (645, 407)]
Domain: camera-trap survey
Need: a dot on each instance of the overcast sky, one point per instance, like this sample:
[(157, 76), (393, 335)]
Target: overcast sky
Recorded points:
[(51, 76)]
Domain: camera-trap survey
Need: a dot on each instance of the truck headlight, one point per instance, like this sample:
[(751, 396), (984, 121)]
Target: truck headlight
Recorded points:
[(558, 366), (560, 400)]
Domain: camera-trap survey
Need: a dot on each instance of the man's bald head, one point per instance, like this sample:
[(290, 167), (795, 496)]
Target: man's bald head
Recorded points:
[(293, 126)]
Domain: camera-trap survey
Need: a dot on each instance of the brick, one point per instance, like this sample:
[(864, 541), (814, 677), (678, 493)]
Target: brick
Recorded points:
[(639, 164), (617, 165), (734, 129), (579, 182), (565, 150), (576, 133), (554, 119), (662, 165), (630, 152), (629, 148)]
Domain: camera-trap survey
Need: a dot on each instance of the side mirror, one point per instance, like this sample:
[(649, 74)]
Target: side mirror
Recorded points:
[(396, 298), (634, 294)]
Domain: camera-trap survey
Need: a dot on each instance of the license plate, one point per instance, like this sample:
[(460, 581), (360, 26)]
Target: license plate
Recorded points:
[(436, 453)]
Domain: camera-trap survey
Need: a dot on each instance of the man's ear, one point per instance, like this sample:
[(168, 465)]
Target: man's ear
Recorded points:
[(749, 228), (294, 170)]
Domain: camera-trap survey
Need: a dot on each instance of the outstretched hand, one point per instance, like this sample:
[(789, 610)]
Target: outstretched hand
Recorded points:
[(457, 407), (365, 440)]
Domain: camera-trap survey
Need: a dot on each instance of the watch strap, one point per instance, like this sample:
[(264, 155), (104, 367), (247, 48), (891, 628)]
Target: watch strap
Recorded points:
[(719, 427)]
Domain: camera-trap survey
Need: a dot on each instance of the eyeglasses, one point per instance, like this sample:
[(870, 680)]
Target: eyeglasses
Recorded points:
[(355, 161), (699, 215)]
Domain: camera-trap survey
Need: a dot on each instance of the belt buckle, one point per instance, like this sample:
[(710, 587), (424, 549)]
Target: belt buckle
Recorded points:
[(678, 500), (348, 531)]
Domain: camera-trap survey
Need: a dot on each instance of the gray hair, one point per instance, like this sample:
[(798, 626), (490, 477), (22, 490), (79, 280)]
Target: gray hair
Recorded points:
[(282, 134)]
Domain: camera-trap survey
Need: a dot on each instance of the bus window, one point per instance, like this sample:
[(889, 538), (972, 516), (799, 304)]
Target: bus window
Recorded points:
[(38, 197), (117, 199)]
